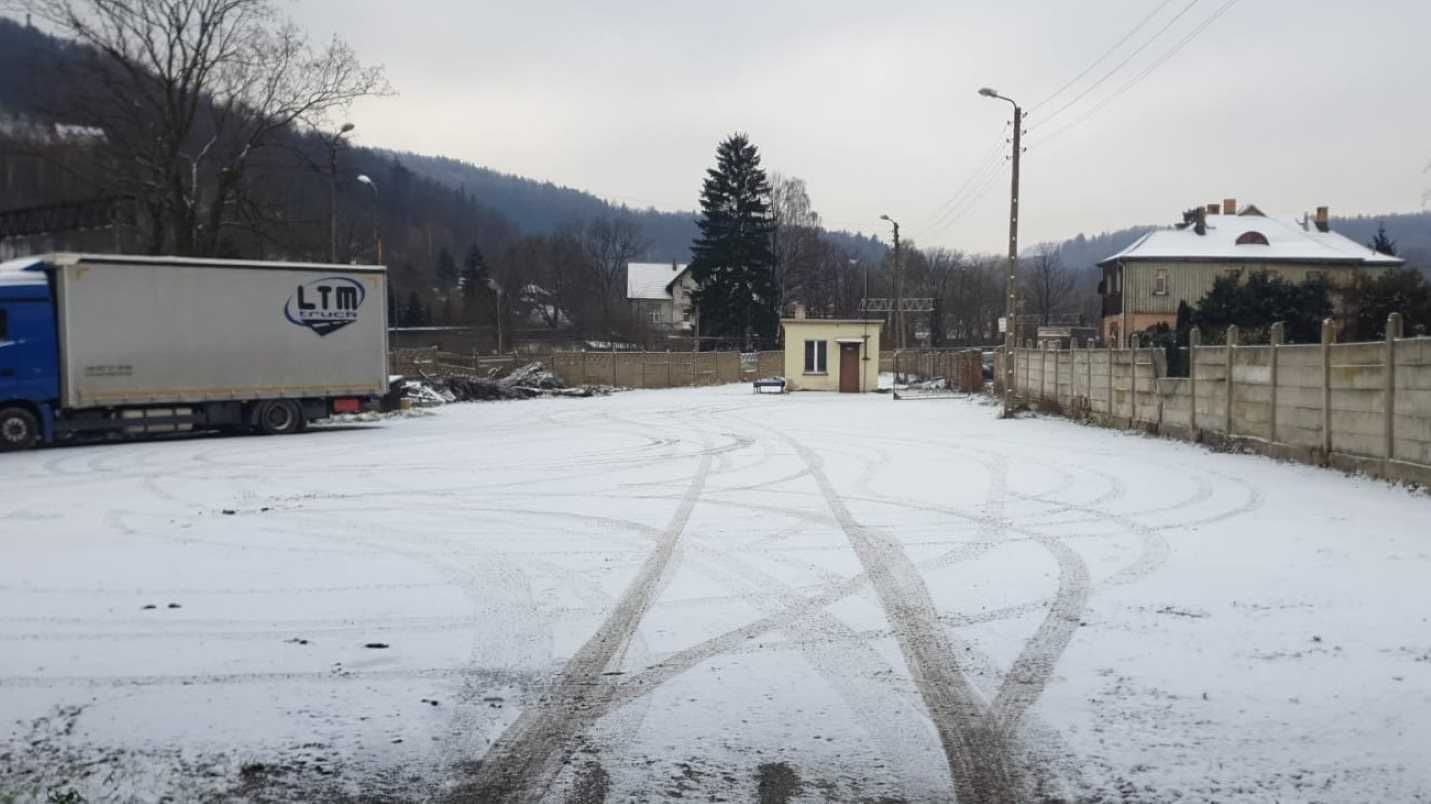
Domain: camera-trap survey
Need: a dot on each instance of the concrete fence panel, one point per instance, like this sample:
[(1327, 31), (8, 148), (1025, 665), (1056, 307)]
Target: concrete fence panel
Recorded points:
[(1364, 406)]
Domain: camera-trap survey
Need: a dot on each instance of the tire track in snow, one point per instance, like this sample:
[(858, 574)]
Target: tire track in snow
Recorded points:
[(973, 746), (529, 755)]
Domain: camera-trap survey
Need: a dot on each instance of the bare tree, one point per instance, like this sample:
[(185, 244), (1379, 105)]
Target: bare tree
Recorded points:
[(797, 243), (1048, 285), (610, 243), (188, 93)]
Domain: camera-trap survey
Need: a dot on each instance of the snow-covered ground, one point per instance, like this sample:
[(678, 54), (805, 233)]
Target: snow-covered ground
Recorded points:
[(711, 594)]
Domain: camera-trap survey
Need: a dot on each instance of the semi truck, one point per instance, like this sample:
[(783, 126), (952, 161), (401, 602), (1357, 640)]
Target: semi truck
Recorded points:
[(98, 345)]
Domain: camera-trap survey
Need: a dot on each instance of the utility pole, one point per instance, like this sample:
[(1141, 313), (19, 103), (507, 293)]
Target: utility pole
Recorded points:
[(1011, 333), (898, 285), (334, 142)]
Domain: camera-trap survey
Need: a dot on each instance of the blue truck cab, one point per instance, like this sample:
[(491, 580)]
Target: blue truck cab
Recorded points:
[(29, 356)]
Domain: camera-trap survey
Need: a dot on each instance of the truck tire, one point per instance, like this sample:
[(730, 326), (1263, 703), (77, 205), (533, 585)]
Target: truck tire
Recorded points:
[(18, 429), (278, 417)]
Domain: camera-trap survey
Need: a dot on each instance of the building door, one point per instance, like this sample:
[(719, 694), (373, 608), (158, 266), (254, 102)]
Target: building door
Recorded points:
[(849, 368)]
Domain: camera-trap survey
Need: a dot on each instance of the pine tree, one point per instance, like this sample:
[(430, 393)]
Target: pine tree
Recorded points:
[(446, 272), (413, 313), (732, 259), (1383, 244), (475, 288)]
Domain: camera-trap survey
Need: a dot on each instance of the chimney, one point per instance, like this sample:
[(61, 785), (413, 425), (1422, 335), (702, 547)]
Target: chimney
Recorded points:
[(675, 266), (1324, 219), (1229, 206), (1212, 209), (799, 311)]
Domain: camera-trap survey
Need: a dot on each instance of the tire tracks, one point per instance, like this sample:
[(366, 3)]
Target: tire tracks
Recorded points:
[(524, 761), (974, 746)]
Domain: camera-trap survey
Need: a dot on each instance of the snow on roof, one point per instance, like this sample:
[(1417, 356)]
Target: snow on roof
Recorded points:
[(1286, 241), (652, 280)]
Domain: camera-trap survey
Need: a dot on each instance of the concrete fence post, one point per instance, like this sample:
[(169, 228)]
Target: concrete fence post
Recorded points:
[(668, 368), (585, 378), (1393, 331), (1231, 351), (1042, 374), (643, 368), (1133, 387), (1028, 372), (1276, 338), (1327, 389), (1088, 365), (1109, 411), (1194, 341)]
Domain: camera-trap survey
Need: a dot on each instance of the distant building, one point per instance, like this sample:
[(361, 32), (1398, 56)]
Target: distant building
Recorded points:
[(1144, 283), (660, 295)]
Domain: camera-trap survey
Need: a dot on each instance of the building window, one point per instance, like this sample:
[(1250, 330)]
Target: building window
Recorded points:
[(686, 314), (1252, 239), (1160, 282), (655, 316), (815, 357)]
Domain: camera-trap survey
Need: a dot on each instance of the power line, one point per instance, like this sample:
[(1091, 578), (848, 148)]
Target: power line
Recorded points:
[(1119, 66), (990, 157), (1149, 70), (989, 164), (1110, 51)]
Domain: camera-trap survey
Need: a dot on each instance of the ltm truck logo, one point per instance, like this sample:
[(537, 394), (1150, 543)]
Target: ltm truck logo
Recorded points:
[(326, 305)]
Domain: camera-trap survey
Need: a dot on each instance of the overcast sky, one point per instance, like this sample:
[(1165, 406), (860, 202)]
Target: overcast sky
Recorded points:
[(1286, 104)]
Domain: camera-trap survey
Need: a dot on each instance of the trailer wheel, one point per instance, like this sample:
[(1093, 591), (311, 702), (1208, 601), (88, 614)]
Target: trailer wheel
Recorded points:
[(18, 429), (279, 417)]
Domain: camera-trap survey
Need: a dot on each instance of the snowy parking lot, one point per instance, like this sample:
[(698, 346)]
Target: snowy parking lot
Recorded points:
[(712, 595)]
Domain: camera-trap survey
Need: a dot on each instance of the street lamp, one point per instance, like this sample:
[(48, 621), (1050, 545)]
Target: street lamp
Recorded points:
[(898, 311), (1011, 334), (333, 143), (377, 213)]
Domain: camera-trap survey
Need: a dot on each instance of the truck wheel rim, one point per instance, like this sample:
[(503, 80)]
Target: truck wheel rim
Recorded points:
[(14, 430), (279, 417)]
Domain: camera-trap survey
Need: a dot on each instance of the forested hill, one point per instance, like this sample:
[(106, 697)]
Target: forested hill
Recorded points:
[(1411, 232), (540, 207)]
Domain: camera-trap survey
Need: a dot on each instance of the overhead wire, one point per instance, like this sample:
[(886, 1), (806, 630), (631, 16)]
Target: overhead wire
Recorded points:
[(1149, 70), (1117, 67), (1110, 51)]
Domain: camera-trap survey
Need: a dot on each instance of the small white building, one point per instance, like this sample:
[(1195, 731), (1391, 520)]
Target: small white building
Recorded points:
[(832, 354), (660, 295)]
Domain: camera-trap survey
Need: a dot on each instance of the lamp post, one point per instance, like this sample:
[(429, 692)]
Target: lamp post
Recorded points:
[(333, 143), (898, 285), (1011, 336), (377, 215)]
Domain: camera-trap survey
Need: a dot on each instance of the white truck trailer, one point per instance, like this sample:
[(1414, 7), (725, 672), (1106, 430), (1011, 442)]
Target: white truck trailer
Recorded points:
[(141, 345)]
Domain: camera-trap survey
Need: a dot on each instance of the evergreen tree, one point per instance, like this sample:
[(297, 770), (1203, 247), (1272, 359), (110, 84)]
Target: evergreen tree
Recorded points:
[(1404, 291), (1263, 300), (732, 259), (476, 290), (413, 313), (1383, 244), (446, 272)]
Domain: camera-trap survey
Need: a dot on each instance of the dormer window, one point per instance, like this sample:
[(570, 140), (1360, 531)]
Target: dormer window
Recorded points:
[(1252, 239)]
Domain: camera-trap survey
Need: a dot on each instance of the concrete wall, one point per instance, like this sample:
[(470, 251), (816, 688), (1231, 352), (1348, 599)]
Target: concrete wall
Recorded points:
[(1363, 406), (621, 369)]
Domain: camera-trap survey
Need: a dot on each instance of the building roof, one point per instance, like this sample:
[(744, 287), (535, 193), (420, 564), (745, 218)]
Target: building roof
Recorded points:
[(652, 280), (1286, 241)]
